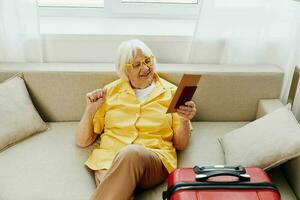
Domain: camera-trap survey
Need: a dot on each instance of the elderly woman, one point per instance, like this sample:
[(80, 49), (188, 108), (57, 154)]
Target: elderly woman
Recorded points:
[(138, 140)]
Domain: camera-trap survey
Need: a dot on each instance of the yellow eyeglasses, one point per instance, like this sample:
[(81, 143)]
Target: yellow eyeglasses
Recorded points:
[(146, 61)]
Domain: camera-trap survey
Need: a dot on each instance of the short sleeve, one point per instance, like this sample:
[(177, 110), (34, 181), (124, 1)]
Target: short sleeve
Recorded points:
[(98, 120)]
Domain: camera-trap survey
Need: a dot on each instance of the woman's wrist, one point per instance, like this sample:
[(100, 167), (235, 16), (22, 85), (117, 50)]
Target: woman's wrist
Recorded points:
[(185, 125), (90, 112), (184, 121)]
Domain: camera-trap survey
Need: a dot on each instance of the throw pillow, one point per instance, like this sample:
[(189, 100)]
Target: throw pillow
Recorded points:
[(19, 118), (265, 142)]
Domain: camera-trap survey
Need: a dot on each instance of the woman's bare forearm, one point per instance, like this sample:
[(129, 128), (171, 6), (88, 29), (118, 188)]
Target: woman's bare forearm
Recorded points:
[(85, 134), (182, 136)]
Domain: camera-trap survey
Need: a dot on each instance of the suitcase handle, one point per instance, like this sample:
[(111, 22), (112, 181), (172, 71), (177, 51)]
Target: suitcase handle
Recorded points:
[(204, 169), (207, 175), (203, 173)]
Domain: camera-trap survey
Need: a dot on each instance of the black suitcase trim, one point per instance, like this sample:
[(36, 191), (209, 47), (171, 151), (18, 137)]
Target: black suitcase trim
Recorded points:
[(217, 185)]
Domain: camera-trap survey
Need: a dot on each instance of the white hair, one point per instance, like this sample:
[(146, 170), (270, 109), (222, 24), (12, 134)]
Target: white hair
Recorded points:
[(126, 52)]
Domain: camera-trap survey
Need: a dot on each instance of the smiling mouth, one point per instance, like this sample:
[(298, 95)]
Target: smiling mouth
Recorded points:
[(146, 75)]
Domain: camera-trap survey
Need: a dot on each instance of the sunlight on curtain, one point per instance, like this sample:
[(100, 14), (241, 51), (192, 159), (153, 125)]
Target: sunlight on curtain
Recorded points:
[(247, 32), (19, 31)]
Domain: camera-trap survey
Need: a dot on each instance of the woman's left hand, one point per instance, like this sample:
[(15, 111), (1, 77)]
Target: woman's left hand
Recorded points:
[(188, 111)]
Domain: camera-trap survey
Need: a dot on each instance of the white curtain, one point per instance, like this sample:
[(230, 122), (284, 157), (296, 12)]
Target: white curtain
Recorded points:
[(247, 32), (19, 31)]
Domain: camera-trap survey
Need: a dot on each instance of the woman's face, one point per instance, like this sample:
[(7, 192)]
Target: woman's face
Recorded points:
[(141, 73)]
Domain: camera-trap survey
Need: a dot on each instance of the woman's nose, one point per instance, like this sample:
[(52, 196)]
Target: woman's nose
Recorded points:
[(145, 67)]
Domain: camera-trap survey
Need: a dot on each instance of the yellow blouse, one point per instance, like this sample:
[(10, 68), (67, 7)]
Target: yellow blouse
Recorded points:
[(126, 120)]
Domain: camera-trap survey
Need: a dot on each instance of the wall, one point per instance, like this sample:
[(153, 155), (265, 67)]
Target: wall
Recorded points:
[(92, 39), (103, 48)]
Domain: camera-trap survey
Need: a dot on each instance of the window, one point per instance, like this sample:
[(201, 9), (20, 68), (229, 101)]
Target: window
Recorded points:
[(118, 17), (72, 3), (240, 3), (161, 1), (155, 8), (121, 8)]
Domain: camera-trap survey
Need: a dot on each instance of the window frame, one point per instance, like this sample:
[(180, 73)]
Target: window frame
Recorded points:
[(153, 10), (117, 9), (76, 5)]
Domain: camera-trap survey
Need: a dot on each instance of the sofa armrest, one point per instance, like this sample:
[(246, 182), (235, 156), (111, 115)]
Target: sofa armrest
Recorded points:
[(266, 106)]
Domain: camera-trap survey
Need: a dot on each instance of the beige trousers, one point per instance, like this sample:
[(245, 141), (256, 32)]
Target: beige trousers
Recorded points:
[(134, 166)]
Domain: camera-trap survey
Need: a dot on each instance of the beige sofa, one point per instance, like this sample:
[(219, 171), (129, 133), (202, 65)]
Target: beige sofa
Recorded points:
[(49, 166)]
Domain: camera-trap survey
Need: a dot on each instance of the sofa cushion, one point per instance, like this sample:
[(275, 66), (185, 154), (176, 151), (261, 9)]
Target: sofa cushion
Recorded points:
[(204, 148), (266, 142), (46, 166), (19, 118)]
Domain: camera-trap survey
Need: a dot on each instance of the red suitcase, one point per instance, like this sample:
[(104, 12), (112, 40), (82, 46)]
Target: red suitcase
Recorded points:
[(220, 183)]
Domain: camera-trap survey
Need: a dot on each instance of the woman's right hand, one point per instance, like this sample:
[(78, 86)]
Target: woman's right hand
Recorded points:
[(95, 99)]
